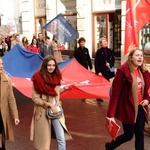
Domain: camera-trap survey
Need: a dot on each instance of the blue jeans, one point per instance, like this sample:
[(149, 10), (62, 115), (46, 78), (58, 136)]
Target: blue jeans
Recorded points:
[(59, 132)]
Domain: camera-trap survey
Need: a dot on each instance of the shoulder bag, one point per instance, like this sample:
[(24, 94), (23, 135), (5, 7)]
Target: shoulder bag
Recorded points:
[(51, 115)]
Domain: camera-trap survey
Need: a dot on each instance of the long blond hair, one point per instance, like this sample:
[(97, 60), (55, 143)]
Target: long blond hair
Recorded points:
[(142, 67)]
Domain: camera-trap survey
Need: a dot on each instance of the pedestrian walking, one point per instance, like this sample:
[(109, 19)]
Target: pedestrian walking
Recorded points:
[(81, 54), (104, 60), (56, 45), (46, 93), (33, 47), (46, 48), (129, 100), (8, 109), (24, 42), (40, 40), (147, 52), (16, 40)]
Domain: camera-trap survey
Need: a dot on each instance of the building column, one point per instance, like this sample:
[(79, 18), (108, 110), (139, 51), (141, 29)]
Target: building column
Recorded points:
[(123, 22), (84, 21), (27, 11)]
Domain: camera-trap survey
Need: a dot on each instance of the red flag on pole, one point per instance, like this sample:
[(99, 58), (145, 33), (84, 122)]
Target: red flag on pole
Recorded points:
[(137, 16), (130, 34), (142, 17)]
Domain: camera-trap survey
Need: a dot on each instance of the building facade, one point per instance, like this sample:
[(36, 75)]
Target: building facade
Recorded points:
[(92, 18)]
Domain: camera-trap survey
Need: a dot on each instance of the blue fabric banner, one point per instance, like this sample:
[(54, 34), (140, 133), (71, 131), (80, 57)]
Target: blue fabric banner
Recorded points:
[(62, 29), (19, 62)]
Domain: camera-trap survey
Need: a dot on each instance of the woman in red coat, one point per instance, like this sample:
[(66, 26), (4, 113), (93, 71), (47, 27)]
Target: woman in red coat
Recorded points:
[(129, 100), (34, 46)]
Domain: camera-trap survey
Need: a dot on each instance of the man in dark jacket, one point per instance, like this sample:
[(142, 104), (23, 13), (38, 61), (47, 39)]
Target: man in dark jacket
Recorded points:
[(81, 54), (46, 48)]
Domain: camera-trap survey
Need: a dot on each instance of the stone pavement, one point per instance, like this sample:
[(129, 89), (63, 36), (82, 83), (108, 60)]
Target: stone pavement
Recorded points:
[(85, 120)]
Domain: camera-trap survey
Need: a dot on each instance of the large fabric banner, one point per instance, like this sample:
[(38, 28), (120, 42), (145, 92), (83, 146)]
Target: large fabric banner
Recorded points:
[(19, 62), (62, 29)]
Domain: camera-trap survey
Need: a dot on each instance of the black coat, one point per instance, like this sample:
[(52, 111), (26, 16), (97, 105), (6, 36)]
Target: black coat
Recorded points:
[(81, 54), (102, 56)]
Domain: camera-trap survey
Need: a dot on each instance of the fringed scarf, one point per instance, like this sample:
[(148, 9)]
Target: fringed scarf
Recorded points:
[(45, 86)]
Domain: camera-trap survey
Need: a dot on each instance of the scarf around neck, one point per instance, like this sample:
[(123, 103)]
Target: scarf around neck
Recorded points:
[(45, 86)]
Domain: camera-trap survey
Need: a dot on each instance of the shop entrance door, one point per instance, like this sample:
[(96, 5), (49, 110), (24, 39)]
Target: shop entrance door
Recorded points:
[(107, 25)]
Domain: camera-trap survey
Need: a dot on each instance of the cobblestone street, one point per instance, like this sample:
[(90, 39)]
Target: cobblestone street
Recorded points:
[(85, 120)]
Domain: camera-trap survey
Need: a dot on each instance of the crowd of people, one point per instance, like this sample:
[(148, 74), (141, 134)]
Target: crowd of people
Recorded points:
[(129, 97), (41, 45)]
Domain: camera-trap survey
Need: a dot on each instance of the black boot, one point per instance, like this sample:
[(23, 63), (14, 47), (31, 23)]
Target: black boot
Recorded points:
[(107, 146), (3, 147), (111, 145)]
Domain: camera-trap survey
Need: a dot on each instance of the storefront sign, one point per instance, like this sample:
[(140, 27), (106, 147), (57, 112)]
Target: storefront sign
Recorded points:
[(106, 5), (39, 8)]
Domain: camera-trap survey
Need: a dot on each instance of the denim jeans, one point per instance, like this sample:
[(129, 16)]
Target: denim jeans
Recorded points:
[(59, 132)]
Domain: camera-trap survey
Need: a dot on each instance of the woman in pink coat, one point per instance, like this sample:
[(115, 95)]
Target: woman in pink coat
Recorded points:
[(8, 108), (129, 100)]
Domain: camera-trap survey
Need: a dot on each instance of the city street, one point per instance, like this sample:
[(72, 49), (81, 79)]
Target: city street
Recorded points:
[(85, 120)]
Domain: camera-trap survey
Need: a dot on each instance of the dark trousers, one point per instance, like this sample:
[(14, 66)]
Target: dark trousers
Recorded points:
[(1, 132), (131, 129)]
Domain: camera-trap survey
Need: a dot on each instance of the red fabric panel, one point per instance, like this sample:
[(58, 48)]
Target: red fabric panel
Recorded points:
[(23, 85), (84, 83)]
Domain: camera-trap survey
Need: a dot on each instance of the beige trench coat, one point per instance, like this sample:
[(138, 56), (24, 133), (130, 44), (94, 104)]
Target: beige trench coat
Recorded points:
[(8, 107), (57, 51), (41, 132)]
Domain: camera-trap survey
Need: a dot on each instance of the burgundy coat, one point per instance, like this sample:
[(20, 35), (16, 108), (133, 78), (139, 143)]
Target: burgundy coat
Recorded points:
[(121, 105)]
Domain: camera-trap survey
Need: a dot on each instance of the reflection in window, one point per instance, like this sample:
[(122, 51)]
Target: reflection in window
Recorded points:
[(101, 26), (145, 35), (100, 29)]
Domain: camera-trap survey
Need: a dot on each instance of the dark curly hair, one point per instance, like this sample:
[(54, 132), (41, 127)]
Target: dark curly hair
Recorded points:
[(82, 39)]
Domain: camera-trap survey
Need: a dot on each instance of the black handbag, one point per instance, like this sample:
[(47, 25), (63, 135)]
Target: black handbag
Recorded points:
[(51, 115)]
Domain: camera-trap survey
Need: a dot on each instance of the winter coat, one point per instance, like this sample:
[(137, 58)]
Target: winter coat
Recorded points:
[(100, 62), (123, 103), (41, 133), (8, 107), (57, 50), (81, 54)]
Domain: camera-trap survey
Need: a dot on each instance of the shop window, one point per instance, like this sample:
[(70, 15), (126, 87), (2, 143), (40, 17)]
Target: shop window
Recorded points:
[(100, 28), (108, 25), (117, 33), (145, 35)]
